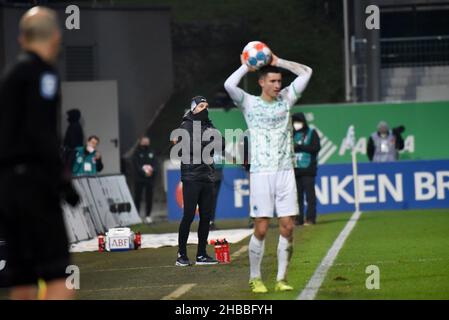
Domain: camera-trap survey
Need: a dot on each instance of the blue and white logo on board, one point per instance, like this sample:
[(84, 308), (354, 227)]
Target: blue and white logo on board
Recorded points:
[(49, 85)]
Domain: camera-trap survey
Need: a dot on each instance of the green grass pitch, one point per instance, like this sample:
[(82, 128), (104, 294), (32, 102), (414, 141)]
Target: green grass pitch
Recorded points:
[(410, 248)]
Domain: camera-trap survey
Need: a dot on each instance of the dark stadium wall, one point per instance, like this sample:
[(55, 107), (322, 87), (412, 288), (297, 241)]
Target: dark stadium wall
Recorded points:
[(2, 44), (130, 45)]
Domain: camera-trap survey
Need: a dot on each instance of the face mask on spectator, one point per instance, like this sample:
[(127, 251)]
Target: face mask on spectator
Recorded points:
[(298, 125), (90, 149)]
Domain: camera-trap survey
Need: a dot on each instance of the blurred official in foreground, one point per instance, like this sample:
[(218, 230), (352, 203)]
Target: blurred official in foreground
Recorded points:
[(32, 182)]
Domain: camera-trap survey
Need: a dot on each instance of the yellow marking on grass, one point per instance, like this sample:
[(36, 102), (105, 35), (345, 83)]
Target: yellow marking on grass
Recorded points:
[(236, 254), (179, 292)]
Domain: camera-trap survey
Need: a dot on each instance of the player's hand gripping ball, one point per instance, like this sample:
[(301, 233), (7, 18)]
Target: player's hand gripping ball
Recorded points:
[(256, 54)]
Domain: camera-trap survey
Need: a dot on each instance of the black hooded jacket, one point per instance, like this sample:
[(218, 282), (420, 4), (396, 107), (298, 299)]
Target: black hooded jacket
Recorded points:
[(144, 156), (202, 171), (74, 136), (313, 148)]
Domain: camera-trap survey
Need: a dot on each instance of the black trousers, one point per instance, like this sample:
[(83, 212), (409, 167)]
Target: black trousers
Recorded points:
[(217, 186), (306, 185), (196, 193), (139, 187), (33, 225)]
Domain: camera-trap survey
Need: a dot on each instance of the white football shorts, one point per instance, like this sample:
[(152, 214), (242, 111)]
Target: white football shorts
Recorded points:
[(273, 192)]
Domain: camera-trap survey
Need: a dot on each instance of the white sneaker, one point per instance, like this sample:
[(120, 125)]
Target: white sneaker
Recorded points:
[(148, 220)]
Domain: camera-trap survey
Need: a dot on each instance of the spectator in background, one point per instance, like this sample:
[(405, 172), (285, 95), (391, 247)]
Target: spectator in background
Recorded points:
[(74, 135), (384, 144), (87, 160), (144, 162), (306, 147)]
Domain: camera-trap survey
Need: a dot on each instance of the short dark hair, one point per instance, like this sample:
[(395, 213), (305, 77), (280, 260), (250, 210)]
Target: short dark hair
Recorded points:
[(268, 69), (93, 137)]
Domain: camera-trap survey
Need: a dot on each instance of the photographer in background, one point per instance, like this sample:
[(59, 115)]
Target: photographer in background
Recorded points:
[(384, 144), (87, 160)]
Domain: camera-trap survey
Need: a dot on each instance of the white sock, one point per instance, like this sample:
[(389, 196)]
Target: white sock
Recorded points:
[(285, 250), (256, 249)]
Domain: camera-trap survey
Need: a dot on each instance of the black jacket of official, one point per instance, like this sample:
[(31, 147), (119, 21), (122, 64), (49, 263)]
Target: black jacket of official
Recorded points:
[(204, 171), (312, 148), (144, 156), (29, 120), (29, 114)]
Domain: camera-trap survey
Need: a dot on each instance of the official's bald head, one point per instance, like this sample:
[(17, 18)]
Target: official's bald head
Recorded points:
[(40, 33), (38, 24)]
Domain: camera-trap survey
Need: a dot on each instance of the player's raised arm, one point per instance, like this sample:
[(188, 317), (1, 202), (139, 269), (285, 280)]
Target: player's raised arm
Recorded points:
[(293, 92), (231, 85)]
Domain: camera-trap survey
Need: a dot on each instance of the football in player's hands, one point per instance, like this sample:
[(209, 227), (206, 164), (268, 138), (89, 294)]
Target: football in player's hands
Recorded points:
[(251, 69)]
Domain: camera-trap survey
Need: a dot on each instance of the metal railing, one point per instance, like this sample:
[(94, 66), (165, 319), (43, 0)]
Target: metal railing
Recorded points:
[(358, 69), (414, 52)]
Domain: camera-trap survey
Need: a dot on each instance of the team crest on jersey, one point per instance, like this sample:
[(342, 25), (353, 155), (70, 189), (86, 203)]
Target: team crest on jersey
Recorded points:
[(49, 85)]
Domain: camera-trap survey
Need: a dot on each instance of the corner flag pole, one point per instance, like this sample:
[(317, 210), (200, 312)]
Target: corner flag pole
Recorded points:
[(350, 140)]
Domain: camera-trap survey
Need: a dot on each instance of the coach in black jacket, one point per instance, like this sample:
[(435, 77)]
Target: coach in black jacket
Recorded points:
[(197, 176)]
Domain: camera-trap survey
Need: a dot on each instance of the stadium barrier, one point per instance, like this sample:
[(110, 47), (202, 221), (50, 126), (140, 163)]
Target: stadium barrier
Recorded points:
[(382, 186), (106, 202)]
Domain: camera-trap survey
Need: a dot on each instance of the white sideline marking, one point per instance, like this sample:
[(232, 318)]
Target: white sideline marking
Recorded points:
[(180, 291), (314, 284), (421, 260), (236, 254)]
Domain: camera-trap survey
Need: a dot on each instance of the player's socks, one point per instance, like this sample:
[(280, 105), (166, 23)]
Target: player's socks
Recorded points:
[(285, 250), (256, 249)]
